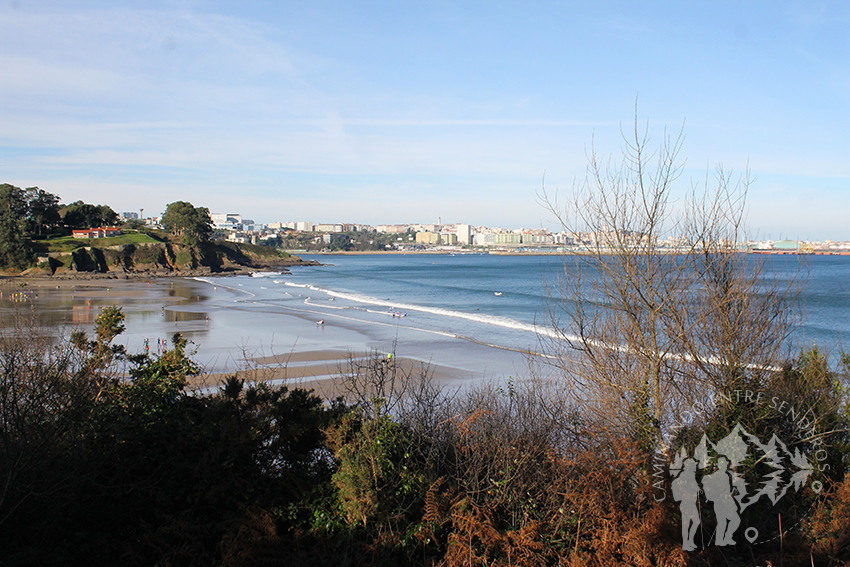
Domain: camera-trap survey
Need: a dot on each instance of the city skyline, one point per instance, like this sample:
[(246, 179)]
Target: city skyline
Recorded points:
[(233, 222), (381, 113)]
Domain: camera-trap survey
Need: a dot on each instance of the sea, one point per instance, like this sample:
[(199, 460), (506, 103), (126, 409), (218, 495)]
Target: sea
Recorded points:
[(484, 314)]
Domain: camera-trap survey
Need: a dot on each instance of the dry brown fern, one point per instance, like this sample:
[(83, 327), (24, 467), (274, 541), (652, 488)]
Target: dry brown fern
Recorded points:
[(829, 527), (432, 512), (474, 539)]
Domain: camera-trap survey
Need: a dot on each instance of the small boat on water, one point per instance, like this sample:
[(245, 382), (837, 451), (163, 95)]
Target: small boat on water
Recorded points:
[(498, 293)]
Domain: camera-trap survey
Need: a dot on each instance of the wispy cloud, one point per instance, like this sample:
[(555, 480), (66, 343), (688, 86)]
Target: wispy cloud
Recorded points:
[(286, 103)]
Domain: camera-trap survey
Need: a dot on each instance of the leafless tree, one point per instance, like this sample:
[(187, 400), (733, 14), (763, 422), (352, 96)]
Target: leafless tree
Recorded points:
[(660, 306)]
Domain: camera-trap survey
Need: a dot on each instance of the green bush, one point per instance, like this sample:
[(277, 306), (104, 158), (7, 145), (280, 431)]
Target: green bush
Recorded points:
[(150, 255), (184, 258)]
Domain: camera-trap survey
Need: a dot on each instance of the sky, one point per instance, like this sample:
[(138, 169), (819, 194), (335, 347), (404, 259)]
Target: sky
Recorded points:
[(413, 112)]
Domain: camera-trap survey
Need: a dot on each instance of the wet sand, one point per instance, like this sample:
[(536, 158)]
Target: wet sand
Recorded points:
[(322, 371)]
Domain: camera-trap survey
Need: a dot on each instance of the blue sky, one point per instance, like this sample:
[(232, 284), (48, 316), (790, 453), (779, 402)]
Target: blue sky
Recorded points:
[(391, 112)]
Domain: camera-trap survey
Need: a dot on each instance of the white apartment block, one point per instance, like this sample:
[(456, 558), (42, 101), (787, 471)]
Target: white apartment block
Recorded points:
[(484, 239), (225, 220), (464, 233)]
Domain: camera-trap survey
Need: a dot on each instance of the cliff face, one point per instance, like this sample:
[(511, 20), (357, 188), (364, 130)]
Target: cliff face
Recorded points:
[(164, 258)]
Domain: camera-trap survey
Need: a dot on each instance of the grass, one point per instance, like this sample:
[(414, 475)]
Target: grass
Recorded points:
[(184, 257), (69, 243)]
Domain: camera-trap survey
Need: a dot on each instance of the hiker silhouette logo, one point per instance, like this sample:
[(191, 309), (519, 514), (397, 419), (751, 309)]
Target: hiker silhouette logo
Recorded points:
[(718, 472)]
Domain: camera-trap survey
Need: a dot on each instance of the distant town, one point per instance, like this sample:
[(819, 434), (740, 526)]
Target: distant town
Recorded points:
[(446, 237)]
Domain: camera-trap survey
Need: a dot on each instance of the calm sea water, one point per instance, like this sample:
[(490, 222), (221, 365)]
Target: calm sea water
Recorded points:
[(444, 302)]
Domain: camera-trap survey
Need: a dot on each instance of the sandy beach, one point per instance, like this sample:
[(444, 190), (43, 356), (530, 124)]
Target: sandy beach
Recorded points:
[(226, 339)]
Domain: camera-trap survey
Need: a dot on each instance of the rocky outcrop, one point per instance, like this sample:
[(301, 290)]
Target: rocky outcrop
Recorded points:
[(161, 259)]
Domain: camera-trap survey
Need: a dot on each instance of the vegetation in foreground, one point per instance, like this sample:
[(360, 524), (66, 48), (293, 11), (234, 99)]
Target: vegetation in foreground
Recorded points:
[(100, 470)]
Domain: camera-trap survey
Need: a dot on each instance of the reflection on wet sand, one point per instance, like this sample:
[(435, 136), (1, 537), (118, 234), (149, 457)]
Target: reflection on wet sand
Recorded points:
[(78, 303), (172, 315), (81, 314)]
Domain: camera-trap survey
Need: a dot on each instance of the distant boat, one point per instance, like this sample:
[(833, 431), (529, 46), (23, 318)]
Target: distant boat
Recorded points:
[(498, 293)]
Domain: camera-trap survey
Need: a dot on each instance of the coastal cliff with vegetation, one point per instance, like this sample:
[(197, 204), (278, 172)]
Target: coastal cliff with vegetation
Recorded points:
[(152, 253), (37, 239)]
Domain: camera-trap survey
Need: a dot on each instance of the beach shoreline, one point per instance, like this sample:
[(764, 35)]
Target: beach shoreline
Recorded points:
[(202, 312)]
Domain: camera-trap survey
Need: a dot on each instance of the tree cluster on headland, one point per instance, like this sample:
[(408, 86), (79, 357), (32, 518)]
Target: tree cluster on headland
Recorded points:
[(35, 239)]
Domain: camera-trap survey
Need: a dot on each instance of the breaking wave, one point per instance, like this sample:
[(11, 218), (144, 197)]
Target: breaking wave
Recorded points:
[(394, 306)]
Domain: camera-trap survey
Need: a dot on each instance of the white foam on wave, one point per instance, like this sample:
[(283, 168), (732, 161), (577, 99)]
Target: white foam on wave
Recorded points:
[(323, 305), (494, 320), (353, 319), (305, 286), (509, 324)]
